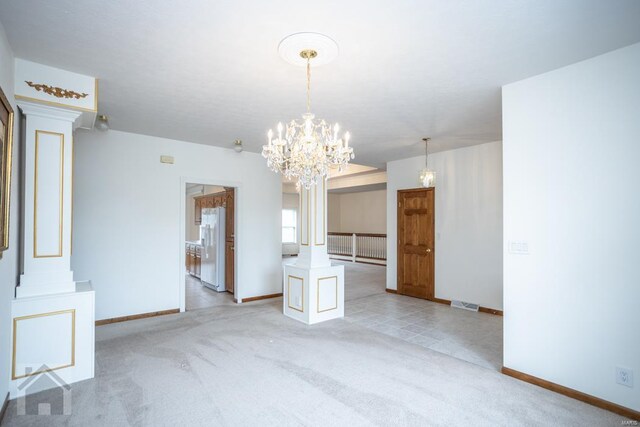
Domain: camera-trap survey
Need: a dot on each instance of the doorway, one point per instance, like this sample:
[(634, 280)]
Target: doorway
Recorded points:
[(209, 245), (416, 251)]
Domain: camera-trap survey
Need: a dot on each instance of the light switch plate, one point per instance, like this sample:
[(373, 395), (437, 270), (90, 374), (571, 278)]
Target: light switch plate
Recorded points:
[(518, 247), (166, 159)]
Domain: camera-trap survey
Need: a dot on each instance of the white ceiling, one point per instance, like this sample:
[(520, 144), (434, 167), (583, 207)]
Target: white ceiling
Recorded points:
[(209, 72)]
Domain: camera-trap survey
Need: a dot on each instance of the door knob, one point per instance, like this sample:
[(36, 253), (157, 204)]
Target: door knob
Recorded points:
[(428, 251)]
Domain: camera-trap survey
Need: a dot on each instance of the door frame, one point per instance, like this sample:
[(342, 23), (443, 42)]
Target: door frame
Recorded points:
[(184, 180), (398, 258)]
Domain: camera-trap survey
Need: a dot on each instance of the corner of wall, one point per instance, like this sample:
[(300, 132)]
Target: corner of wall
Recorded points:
[(9, 268)]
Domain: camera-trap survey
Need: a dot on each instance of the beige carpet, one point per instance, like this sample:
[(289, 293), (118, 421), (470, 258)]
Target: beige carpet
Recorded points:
[(250, 365)]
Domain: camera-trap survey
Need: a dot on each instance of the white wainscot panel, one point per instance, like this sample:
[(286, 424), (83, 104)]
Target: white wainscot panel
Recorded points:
[(295, 293), (327, 294), (43, 341)]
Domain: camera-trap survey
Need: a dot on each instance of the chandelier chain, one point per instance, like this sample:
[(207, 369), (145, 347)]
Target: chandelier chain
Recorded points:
[(426, 152), (308, 85)]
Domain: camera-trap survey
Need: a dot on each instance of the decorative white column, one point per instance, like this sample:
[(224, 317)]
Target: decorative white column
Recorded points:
[(313, 288), (47, 207), (53, 315)]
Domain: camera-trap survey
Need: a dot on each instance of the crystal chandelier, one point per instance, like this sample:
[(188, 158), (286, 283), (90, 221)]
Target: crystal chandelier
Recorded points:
[(309, 147), (427, 176)]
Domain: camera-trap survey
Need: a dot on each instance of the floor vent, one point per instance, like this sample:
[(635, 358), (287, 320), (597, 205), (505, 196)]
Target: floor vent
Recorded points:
[(465, 305)]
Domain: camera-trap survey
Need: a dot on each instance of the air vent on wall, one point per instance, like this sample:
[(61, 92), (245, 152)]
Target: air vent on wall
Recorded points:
[(464, 305)]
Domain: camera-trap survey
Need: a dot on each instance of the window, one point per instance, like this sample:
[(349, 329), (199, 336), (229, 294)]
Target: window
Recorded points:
[(289, 226)]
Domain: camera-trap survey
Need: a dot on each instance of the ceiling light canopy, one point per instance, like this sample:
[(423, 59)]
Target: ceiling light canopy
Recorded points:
[(102, 122), (306, 149)]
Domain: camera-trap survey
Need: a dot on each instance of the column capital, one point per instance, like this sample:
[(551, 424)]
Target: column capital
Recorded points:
[(33, 108)]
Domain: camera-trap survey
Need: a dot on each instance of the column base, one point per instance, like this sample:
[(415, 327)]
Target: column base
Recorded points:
[(52, 340), (313, 295)]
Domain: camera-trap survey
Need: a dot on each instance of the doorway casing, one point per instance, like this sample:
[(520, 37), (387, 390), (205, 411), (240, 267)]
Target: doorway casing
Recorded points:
[(183, 226)]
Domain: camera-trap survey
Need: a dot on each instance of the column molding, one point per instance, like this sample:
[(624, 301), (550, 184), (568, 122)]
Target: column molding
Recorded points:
[(48, 139)]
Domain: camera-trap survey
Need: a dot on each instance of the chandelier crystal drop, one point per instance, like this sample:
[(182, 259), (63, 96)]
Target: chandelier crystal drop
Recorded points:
[(309, 147)]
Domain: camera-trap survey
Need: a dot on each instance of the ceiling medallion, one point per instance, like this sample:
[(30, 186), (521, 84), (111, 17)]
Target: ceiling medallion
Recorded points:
[(58, 92), (309, 147)]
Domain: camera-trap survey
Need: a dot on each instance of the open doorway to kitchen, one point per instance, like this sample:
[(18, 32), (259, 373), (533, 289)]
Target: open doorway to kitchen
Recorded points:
[(209, 245)]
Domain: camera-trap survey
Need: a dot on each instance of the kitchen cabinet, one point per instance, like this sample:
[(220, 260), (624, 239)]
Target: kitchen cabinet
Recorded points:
[(192, 259), (208, 201)]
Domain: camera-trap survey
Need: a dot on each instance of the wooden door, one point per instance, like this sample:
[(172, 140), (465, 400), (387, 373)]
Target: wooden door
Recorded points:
[(230, 234), (416, 250), (230, 212), (228, 266), (198, 211)]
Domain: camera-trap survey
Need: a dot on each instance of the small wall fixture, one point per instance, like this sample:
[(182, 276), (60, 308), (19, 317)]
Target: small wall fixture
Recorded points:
[(102, 122), (237, 146), (427, 176)]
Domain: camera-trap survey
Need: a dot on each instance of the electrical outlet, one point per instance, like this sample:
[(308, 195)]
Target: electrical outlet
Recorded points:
[(624, 376)]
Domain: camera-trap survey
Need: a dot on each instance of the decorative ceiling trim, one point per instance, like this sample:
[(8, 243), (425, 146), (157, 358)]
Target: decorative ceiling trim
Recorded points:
[(58, 92)]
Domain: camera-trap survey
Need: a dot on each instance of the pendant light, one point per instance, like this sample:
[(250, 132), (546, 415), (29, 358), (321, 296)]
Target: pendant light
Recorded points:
[(427, 176)]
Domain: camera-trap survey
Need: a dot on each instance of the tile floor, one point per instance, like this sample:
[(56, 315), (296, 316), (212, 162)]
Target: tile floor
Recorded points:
[(198, 296), (470, 336)]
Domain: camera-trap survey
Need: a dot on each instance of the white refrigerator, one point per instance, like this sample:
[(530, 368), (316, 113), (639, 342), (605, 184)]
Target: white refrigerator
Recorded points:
[(212, 238)]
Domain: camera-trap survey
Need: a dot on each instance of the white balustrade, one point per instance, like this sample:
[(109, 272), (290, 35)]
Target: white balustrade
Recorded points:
[(358, 247)]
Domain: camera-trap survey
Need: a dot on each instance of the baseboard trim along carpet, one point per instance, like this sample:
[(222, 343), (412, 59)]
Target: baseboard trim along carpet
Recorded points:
[(258, 298), (490, 311), (4, 408), (574, 394), (447, 302), (136, 316)]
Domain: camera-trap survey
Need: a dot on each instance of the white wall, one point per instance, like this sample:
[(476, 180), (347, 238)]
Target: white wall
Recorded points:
[(363, 212), (127, 211), (468, 223), (333, 212), (571, 175), (9, 270)]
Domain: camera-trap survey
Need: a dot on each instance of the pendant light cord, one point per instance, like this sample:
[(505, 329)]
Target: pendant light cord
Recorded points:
[(426, 152)]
